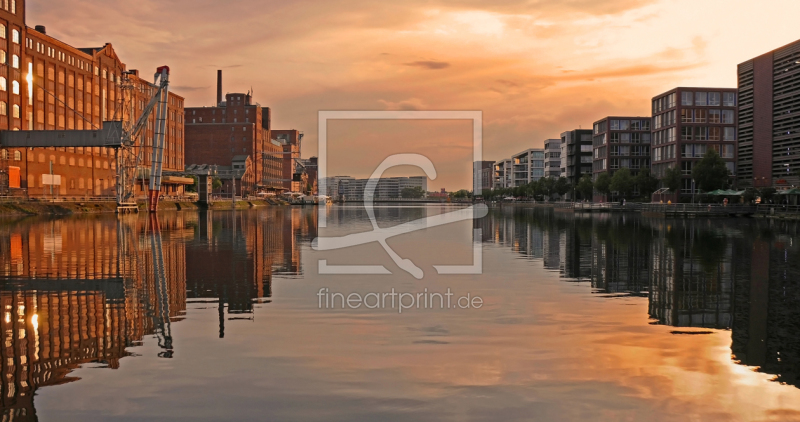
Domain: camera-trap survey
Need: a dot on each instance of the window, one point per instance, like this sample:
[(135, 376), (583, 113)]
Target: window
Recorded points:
[(731, 167), (636, 138), (686, 167), (700, 115), (625, 137), (15, 36), (645, 138), (686, 98), (671, 100), (614, 138), (2, 31), (15, 87), (646, 125), (729, 99), (686, 133), (636, 125), (714, 133), (730, 134), (713, 116), (15, 61), (615, 125), (15, 110), (701, 98), (3, 84), (686, 115), (727, 116), (727, 151), (17, 155), (713, 98), (701, 133), (624, 124), (670, 134)]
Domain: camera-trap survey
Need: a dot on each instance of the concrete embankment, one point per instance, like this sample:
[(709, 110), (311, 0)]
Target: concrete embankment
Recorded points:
[(67, 208)]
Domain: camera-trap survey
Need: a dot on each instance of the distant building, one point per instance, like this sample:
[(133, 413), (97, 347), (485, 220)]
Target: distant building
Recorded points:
[(502, 174), (234, 127), (620, 142), (769, 119), (687, 122), (527, 166), (350, 189), (482, 176), (552, 156), (291, 173), (577, 144)]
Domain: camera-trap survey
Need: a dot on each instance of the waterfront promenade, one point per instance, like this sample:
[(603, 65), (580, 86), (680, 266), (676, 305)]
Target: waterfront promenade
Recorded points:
[(667, 210)]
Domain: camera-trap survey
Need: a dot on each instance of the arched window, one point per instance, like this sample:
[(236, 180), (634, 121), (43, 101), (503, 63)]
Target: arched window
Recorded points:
[(15, 111), (3, 84), (3, 108), (15, 87), (2, 31), (3, 57), (15, 36), (15, 61)]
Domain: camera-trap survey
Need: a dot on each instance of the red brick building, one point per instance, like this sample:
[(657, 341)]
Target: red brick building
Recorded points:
[(46, 84), (235, 127), (290, 141)]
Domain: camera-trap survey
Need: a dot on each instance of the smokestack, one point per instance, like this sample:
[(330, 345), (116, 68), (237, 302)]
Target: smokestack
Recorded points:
[(219, 87)]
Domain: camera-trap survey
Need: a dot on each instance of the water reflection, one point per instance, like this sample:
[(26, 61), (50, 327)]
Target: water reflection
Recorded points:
[(737, 274), (84, 289)]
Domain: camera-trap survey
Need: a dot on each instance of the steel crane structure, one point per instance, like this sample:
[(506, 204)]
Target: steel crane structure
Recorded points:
[(125, 136)]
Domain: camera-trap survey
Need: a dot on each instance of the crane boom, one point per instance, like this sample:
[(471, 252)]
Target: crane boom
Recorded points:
[(156, 162)]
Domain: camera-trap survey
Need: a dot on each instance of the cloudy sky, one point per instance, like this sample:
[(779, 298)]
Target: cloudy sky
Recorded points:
[(535, 68)]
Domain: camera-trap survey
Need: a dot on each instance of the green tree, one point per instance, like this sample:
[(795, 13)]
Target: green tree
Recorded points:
[(672, 179), (461, 194), (622, 182), (603, 183), (548, 186), (767, 193), (563, 186), (412, 192), (193, 186), (585, 186), (710, 173), (216, 183), (646, 183)]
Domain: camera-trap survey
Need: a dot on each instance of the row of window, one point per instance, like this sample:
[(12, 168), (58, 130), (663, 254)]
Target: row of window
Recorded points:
[(699, 150), (689, 115), (703, 133), (235, 120), (15, 34), (698, 98), (664, 153)]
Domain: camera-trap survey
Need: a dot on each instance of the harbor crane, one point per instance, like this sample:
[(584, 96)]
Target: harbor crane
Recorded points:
[(125, 137)]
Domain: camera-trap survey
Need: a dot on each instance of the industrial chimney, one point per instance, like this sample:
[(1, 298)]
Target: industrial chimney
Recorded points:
[(219, 87)]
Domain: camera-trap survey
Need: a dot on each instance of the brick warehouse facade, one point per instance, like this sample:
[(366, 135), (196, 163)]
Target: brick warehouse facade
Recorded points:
[(290, 139), (687, 122), (769, 126), (46, 84), (235, 127)]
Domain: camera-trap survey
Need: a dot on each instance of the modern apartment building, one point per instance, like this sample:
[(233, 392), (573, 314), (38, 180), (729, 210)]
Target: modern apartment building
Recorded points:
[(552, 158), (527, 166), (621, 142), (503, 174), (769, 119), (687, 122), (577, 145)]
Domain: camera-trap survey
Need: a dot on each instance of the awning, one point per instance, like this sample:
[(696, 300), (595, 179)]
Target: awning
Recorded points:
[(793, 191), (176, 180)]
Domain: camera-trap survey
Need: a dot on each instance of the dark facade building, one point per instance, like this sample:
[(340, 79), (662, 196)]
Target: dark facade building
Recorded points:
[(620, 142), (769, 118), (688, 122), (482, 175), (578, 146)]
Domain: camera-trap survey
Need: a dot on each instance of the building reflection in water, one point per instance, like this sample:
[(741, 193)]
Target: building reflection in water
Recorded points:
[(737, 274), (84, 289)]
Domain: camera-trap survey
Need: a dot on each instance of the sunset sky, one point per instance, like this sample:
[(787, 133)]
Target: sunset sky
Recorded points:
[(535, 68)]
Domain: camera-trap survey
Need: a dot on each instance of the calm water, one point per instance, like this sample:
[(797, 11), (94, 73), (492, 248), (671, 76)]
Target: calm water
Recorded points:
[(217, 316)]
